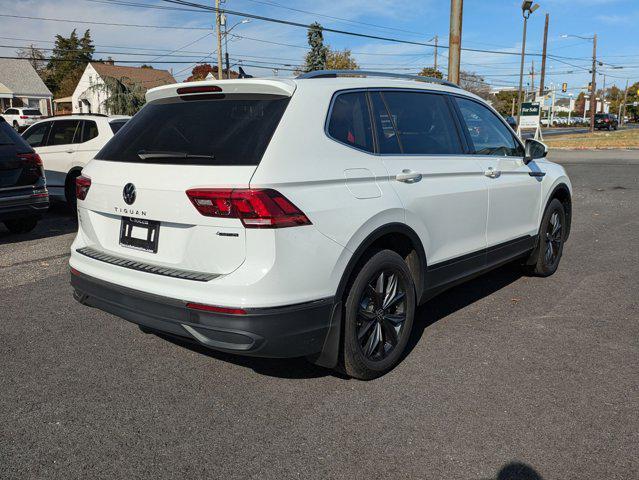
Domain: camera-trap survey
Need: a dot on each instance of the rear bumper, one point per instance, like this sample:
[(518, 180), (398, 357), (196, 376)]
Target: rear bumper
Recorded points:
[(21, 206), (291, 331)]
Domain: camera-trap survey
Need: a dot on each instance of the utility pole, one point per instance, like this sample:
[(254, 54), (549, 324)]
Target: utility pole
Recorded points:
[(454, 40), (219, 39), (622, 107), (593, 101), (436, 40), (532, 78), (543, 58), (512, 109), (603, 96)]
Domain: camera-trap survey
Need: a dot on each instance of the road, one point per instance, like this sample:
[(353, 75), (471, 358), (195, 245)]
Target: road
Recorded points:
[(550, 132), (506, 374)]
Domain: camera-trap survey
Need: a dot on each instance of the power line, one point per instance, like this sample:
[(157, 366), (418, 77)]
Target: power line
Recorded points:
[(111, 24)]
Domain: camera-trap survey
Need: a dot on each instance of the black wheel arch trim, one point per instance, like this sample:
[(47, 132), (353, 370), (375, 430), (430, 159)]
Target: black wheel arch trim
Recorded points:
[(562, 187), (329, 356)]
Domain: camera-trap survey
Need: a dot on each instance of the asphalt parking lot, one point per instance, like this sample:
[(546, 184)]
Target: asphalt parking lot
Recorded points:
[(509, 377)]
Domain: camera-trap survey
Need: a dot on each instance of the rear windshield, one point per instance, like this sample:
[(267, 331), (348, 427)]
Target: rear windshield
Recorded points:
[(8, 136), (31, 112), (116, 125), (601, 115), (216, 130)]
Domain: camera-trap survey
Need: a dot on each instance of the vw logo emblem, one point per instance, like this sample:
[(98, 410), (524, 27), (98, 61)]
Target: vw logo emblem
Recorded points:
[(128, 193)]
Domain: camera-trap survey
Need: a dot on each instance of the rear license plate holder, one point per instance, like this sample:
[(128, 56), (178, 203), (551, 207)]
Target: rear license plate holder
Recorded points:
[(140, 234)]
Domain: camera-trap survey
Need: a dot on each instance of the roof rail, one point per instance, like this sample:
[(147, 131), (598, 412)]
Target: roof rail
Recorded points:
[(367, 73), (78, 114)]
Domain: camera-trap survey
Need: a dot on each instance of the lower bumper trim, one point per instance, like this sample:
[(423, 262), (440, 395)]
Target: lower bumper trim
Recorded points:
[(290, 331)]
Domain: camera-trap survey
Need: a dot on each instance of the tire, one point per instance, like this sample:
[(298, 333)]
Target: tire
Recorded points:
[(21, 225), (69, 189), (545, 259), (375, 336)]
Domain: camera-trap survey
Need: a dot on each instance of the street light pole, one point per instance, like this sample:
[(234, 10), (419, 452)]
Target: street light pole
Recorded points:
[(593, 102), (526, 9)]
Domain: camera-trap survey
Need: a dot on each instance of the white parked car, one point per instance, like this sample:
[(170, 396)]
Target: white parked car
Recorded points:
[(21, 118), (309, 216), (66, 143)]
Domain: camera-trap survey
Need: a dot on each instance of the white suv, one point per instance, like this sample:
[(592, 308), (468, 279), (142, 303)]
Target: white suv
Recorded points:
[(310, 216), (66, 143), (21, 118)]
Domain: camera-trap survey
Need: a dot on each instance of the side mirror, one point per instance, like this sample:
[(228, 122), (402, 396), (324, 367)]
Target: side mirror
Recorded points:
[(534, 149)]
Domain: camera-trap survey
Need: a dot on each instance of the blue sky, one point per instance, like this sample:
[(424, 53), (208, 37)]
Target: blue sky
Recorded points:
[(488, 24)]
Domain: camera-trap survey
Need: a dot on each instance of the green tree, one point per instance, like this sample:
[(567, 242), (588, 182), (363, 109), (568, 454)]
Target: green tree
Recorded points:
[(430, 72), (503, 101), (633, 96), (340, 60), (69, 58), (316, 58), (122, 97)]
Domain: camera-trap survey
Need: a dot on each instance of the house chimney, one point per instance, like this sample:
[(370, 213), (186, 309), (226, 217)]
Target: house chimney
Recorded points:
[(109, 61)]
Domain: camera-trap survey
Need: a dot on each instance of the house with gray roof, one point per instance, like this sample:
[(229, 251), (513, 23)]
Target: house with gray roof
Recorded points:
[(21, 86)]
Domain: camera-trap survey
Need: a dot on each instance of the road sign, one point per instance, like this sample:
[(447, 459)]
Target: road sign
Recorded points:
[(530, 112)]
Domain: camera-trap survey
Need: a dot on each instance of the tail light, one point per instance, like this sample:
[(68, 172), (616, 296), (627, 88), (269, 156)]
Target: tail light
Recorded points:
[(82, 185), (256, 208), (23, 117), (32, 158)]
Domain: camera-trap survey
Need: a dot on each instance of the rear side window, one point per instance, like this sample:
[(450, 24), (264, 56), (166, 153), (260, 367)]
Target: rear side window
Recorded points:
[(63, 132), (36, 136), (489, 134), (423, 122), (89, 130), (387, 141), (223, 130), (11, 111), (116, 125), (350, 121)]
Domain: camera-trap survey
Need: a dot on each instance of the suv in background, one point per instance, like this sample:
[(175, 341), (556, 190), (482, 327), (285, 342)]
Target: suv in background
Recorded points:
[(23, 193), (309, 216), (606, 121), (21, 118), (66, 143)]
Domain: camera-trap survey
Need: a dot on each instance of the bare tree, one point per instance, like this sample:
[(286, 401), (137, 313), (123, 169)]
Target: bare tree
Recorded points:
[(35, 56)]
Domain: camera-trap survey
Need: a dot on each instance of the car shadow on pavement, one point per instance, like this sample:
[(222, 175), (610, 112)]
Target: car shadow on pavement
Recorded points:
[(517, 471), (58, 220), (439, 307)]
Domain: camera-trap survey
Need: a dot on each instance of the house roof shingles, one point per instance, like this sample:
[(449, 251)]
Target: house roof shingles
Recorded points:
[(21, 79), (146, 77)]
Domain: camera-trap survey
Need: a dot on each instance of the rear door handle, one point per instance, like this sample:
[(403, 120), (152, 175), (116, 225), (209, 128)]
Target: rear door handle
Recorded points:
[(408, 176), (492, 173)]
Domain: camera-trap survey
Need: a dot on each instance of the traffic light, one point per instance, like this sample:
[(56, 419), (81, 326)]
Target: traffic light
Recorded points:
[(564, 87)]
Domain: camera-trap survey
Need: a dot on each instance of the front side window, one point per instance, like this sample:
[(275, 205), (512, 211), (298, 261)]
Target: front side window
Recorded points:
[(63, 132), (349, 122), (423, 122), (36, 136), (488, 133)]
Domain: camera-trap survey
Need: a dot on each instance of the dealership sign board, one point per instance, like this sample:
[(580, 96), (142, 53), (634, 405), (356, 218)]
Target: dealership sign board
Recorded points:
[(530, 114)]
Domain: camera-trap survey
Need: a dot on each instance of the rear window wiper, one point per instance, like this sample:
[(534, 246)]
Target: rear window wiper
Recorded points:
[(151, 155)]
